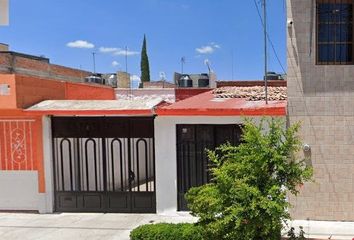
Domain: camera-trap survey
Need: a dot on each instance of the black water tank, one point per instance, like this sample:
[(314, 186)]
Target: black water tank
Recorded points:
[(274, 76), (185, 81), (203, 80)]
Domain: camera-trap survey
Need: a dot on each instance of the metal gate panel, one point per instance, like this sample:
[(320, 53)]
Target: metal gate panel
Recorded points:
[(192, 161), (104, 173)]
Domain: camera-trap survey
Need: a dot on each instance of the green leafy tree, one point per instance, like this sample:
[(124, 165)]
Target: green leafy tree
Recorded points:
[(246, 199), (144, 63)]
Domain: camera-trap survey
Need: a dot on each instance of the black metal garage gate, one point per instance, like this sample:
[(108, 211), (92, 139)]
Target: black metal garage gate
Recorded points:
[(104, 164), (192, 161)]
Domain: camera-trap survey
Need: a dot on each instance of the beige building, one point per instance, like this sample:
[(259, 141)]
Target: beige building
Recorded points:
[(321, 96)]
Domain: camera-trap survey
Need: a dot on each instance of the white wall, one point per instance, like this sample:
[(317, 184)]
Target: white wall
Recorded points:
[(19, 190), (46, 204)]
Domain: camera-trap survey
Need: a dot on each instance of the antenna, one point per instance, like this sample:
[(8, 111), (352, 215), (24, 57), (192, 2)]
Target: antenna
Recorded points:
[(232, 64), (183, 61), (94, 62), (163, 78), (207, 63), (265, 50)]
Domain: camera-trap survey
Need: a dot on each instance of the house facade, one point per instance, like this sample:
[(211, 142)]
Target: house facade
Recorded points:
[(321, 95)]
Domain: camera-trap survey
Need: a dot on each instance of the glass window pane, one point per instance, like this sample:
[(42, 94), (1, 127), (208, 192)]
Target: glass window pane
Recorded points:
[(326, 32), (346, 13), (343, 53), (345, 32), (323, 11), (326, 53)]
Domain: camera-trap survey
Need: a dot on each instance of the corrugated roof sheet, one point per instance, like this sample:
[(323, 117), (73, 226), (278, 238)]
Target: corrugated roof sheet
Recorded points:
[(95, 105)]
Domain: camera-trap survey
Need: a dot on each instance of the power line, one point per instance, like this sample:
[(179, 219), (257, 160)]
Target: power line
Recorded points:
[(270, 41)]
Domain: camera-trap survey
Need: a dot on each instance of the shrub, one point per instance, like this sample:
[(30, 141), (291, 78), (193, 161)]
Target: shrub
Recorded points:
[(246, 199), (167, 231)]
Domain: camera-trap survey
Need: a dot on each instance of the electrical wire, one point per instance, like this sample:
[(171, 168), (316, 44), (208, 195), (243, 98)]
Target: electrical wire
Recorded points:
[(269, 39)]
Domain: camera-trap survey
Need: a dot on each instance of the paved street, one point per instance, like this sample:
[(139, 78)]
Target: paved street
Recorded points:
[(76, 226)]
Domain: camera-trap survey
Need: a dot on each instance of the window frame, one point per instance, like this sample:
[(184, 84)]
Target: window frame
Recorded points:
[(347, 43)]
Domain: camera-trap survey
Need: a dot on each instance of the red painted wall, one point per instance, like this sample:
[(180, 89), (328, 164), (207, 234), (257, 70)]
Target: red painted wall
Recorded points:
[(78, 91), (8, 101), (184, 93), (31, 90), (26, 91)]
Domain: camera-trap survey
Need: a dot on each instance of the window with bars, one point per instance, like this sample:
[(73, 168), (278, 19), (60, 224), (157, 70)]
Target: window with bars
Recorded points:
[(335, 32)]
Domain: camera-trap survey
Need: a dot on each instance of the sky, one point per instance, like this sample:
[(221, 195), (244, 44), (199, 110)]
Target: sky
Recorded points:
[(226, 32)]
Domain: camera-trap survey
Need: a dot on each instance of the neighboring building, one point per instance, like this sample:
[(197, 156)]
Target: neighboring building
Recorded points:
[(123, 80), (25, 64), (321, 95), (159, 84)]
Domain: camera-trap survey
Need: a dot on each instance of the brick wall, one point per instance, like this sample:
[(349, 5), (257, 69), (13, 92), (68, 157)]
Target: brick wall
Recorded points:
[(322, 98), (11, 62)]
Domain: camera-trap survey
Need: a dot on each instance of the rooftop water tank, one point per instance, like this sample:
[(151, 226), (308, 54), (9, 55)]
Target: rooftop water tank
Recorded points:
[(203, 80), (185, 81)]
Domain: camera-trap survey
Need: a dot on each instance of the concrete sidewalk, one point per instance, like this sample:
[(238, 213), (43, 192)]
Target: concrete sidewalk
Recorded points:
[(326, 229), (79, 226)]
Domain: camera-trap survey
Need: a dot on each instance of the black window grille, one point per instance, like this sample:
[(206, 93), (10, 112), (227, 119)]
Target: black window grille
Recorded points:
[(334, 32)]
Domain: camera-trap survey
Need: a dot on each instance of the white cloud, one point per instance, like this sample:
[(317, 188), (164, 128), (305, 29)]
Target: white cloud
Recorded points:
[(108, 50), (208, 49), (80, 44), (205, 49), (117, 51), (123, 52), (115, 64), (134, 78)]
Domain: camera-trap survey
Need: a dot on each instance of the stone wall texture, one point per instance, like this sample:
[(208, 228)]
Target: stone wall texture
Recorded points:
[(322, 98)]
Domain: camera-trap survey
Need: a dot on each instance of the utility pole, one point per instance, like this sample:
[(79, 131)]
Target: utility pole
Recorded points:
[(94, 62), (265, 50)]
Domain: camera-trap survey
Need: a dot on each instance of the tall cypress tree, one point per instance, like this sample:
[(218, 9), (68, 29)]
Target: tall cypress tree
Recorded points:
[(144, 63)]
